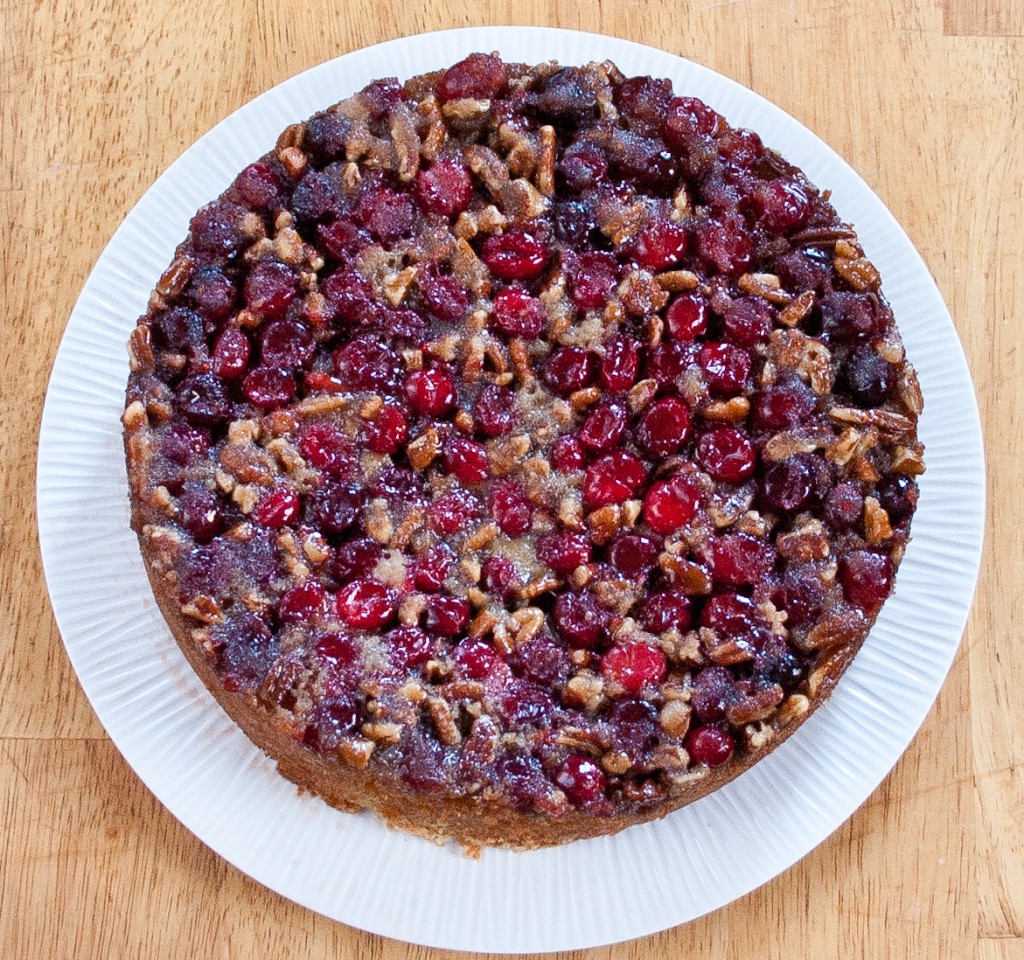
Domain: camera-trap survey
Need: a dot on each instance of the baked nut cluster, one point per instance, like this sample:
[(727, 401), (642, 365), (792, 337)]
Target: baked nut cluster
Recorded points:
[(522, 451)]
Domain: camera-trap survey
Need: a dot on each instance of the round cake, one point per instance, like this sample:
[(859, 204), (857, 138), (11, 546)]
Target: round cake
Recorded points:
[(520, 452)]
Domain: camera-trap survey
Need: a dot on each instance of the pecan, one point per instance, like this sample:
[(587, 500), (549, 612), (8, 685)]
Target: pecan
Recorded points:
[(908, 390), (616, 762), (674, 718), (444, 723), (764, 285), (604, 523), (807, 541), (541, 585), (276, 689), (885, 420), (482, 624), (585, 691), (294, 161), (641, 294), (667, 756), (204, 609), (174, 279), (382, 732), (505, 455), (877, 528), (907, 461), (377, 520), (641, 394), (140, 349), (530, 621), (755, 706), (521, 200), (406, 141), (489, 168), (463, 690), (293, 135), (685, 575), (520, 356), (727, 411), (482, 536), (356, 751), (859, 272), (724, 651), (422, 451), (795, 707), (396, 285), (798, 308), (546, 161), (581, 740), (134, 416), (836, 630)]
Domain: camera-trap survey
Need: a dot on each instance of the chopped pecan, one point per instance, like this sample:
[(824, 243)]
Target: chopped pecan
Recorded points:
[(444, 723), (877, 528), (424, 449), (806, 542)]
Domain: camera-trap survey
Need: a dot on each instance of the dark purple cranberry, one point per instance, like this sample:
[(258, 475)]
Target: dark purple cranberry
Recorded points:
[(355, 559), (583, 165), (724, 243), (802, 595), (422, 759), (851, 317), (179, 329), (867, 378), (569, 369), (898, 496), (784, 206), (212, 293), (342, 239), (494, 412), (331, 721), (666, 611), (336, 507), (738, 558), (500, 579), (183, 444), (269, 288), (200, 513), (633, 725), (578, 620), (844, 506), (525, 704), (521, 777), (776, 663), (326, 134), (446, 615), (245, 651), (647, 160), (633, 555), (397, 485), (337, 651), (567, 96), (804, 269), (443, 296), (314, 196), (666, 362), (788, 485), (203, 400), (386, 213), (785, 404), (686, 120), (643, 101), (217, 229), (747, 322), (381, 95), (574, 222), (542, 661), (349, 295), (431, 569), (286, 344), (268, 387), (260, 186), (714, 690), (366, 363), (740, 147)]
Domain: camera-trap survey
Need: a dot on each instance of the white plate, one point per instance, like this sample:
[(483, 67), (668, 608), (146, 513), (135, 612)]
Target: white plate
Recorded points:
[(352, 868)]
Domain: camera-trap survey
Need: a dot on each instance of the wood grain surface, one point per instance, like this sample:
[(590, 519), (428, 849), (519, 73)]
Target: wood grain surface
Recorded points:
[(923, 97)]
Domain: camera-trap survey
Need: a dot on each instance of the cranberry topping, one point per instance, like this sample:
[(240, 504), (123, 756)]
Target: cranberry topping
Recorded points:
[(430, 569), (727, 454), (277, 508), (445, 187), (514, 255), (269, 288), (687, 317), (582, 779), (478, 77), (430, 392), (660, 245), (634, 666), (563, 552), (366, 603), (866, 579), (670, 505), (306, 601), (569, 369), (578, 620), (612, 479), (510, 508), (495, 410), (604, 427), (517, 314), (664, 427), (231, 353), (620, 364), (710, 745)]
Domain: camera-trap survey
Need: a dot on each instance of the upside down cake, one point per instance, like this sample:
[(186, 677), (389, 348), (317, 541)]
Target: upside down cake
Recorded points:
[(520, 452)]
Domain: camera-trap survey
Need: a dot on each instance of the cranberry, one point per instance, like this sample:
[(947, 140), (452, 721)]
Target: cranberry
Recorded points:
[(325, 447), (443, 296), (578, 620), (342, 239), (867, 378), (203, 400), (354, 559), (667, 362), (183, 444), (603, 427), (724, 244), (331, 721), (268, 387), (740, 147), (732, 615), (713, 692), (269, 288), (659, 245), (666, 611), (475, 659), (685, 118), (802, 595), (446, 615), (451, 513), (517, 314), (231, 353), (686, 318), (747, 322), (217, 229), (337, 651), (788, 485), (408, 646), (850, 317), (495, 410), (614, 478), (287, 344), (398, 486), (620, 364), (522, 779), (786, 404), (569, 369), (633, 555), (336, 506), (542, 660), (314, 196), (385, 213), (866, 579), (524, 704), (844, 506), (305, 601), (726, 368), (582, 780), (670, 505), (423, 760), (212, 293), (633, 723), (479, 77), (643, 99), (574, 222), (634, 665), (583, 165), (710, 746), (514, 255), (500, 578), (784, 206), (366, 363), (804, 269), (388, 430), (430, 569), (258, 187), (567, 96), (663, 428), (367, 604), (898, 495), (644, 160), (567, 454), (445, 188), (738, 558), (277, 508), (726, 454), (326, 134), (466, 460), (200, 513), (350, 296), (430, 392), (179, 329), (562, 551), (510, 508), (592, 279)]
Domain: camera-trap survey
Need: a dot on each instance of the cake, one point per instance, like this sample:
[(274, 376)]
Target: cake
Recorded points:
[(520, 452)]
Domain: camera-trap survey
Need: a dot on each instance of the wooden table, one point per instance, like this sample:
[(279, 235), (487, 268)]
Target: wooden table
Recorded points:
[(923, 97)]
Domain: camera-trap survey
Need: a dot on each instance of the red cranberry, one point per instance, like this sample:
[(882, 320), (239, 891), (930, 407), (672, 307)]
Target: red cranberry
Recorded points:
[(670, 505), (388, 430), (620, 364), (231, 353), (445, 188), (614, 478), (336, 506), (685, 119), (203, 400), (259, 187), (430, 392), (578, 620), (567, 454), (517, 314), (788, 485), (866, 579), (423, 760), (740, 147), (686, 318), (747, 322), (738, 558), (802, 595), (542, 660), (475, 659), (668, 361), (634, 665), (466, 460), (569, 369), (200, 513), (349, 294), (724, 243), (726, 454), (495, 410), (500, 578), (408, 646), (368, 364), (277, 508), (314, 196), (367, 604), (710, 746), (332, 720), (844, 506), (643, 99), (562, 551), (633, 555), (592, 279), (479, 77), (305, 601), (354, 559), (446, 615), (443, 296), (726, 368), (381, 95), (659, 245), (510, 508), (582, 780), (385, 213), (634, 725), (431, 569), (524, 704), (733, 615), (269, 288), (325, 447), (664, 427), (784, 206), (603, 427), (451, 513), (514, 255), (268, 387), (337, 651), (666, 611), (783, 405)]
